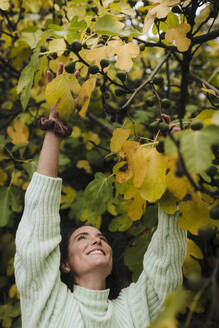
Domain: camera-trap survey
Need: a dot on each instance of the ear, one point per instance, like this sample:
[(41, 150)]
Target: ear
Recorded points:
[(65, 267)]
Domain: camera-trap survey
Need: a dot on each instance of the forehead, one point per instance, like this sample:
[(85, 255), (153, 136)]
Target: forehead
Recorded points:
[(87, 229)]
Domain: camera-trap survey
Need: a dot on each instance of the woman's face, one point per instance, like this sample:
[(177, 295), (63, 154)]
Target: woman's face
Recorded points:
[(89, 252)]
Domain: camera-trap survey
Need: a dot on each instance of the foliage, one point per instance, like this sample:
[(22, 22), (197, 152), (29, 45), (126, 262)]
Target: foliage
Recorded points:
[(134, 62)]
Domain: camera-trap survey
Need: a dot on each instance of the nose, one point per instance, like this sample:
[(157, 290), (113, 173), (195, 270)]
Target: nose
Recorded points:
[(96, 240)]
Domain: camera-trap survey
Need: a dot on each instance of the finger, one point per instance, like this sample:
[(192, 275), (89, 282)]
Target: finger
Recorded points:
[(166, 117), (60, 69), (49, 76), (76, 74)]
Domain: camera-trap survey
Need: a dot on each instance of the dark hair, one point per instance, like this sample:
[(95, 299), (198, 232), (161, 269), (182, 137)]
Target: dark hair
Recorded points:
[(113, 281)]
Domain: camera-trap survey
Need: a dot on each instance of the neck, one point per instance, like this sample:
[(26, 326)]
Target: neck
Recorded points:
[(91, 282)]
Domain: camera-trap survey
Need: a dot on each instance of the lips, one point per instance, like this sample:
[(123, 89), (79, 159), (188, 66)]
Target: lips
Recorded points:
[(97, 250)]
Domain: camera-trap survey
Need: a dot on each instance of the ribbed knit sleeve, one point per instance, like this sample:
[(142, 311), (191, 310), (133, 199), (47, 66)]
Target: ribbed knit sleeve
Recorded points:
[(162, 271), (37, 250)]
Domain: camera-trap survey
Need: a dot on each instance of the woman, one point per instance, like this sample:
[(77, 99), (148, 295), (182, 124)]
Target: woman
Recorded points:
[(45, 300)]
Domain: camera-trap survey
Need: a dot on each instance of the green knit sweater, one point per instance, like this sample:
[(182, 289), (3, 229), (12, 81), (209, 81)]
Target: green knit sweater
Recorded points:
[(47, 302)]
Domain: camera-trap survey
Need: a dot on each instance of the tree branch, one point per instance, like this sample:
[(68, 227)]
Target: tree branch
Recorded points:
[(156, 44), (200, 81), (206, 37), (147, 81), (100, 123)]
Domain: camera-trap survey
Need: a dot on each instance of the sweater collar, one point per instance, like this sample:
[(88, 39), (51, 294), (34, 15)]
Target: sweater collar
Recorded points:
[(93, 300)]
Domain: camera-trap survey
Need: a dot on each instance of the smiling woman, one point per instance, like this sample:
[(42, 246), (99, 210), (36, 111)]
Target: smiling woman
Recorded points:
[(78, 297)]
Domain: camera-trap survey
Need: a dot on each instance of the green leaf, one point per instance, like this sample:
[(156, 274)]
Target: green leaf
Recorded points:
[(150, 217), (109, 25), (98, 193), (26, 78), (3, 141), (120, 223), (30, 167), (16, 310), (75, 28), (196, 148), (4, 206), (16, 201), (41, 69)]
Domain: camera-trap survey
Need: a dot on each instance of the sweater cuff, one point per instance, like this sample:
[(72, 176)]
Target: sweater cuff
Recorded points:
[(44, 192)]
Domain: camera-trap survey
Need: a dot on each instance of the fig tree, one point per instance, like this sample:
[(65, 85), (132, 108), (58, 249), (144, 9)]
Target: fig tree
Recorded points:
[(104, 63), (76, 46), (211, 171), (197, 125), (160, 146), (122, 76), (93, 69), (119, 92), (70, 67), (166, 103)]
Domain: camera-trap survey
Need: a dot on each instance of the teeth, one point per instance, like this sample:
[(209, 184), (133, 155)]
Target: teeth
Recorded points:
[(96, 252)]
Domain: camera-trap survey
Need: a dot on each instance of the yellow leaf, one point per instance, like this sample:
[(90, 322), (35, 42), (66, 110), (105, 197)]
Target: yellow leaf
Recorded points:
[(168, 202), (137, 205), (3, 177), (84, 165), (4, 4), (212, 92), (179, 187), (15, 178), (160, 9), (13, 291), (125, 53), (190, 264), (54, 63), (154, 184), (205, 116), (67, 197), (61, 88), (178, 35), (119, 137), (85, 94), (76, 132), (19, 133), (57, 45), (193, 216), (139, 162), (112, 209), (91, 136), (91, 218)]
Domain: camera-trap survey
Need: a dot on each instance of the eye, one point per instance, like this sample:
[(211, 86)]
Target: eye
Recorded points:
[(105, 239), (81, 237)]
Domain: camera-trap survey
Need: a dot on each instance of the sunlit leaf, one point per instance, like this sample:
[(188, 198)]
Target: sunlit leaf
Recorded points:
[(119, 137), (68, 196), (19, 133), (178, 35)]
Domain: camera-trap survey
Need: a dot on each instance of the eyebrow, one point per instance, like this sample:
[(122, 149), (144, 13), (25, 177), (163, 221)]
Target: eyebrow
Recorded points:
[(87, 234)]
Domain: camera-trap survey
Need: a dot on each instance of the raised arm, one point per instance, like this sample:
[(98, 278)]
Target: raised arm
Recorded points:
[(162, 271), (37, 257)]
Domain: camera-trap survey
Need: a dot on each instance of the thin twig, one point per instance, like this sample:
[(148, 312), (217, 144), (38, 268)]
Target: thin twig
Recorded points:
[(100, 123), (201, 81), (146, 82)]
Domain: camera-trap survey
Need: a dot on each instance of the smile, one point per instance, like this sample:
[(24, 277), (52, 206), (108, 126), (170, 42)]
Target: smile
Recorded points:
[(97, 251)]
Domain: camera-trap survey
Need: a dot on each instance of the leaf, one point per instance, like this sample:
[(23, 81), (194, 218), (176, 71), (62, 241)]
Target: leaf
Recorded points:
[(178, 35), (120, 135), (91, 218), (178, 186), (193, 216), (4, 4), (26, 78), (168, 202), (98, 193), (215, 118), (61, 88), (196, 148), (82, 164), (85, 94), (154, 184), (19, 133), (191, 265), (206, 116), (75, 29), (120, 223), (68, 196), (159, 10), (58, 46), (3, 177), (137, 204), (125, 53), (4, 205)]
